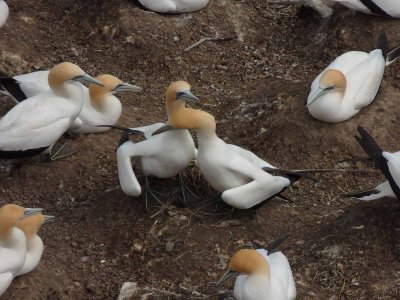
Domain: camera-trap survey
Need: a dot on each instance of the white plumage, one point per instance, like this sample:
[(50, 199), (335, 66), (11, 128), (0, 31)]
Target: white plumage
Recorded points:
[(174, 6), (4, 10), (380, 7)]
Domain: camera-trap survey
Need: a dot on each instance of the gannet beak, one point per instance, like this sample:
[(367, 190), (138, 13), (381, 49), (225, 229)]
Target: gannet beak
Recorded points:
[(48, 219), (86, 78), (186, 96), (230, 273), (163, 129), (30, 212), (126, 87), (319, 93)]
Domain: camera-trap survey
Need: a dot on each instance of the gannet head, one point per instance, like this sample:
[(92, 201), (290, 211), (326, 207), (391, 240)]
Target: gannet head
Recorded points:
[(10, 214), (67, 71), (247, 261), (111, 85), (31, 225), (177, 93), (331, 80)]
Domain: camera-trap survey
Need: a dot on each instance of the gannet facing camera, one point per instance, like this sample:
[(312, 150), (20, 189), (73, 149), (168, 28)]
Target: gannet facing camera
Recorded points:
[(3, 12), (388, 163), (165, 155), (349, 83), (12, 242), (261, 276), (386, 8), (30, 226), (34, 125), (233, 171), (174, 6)]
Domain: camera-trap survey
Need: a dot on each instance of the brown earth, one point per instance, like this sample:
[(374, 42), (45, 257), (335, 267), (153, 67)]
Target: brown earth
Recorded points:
[(255, 81)]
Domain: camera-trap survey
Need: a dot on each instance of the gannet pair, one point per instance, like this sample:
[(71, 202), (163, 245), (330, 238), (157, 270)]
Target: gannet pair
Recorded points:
[(386, 8), (349, 83), (3, 12), (261, 276), (174, 6), (13, 243), (235, 172), (100, 106), (34, 125), (165, 155), (388, 163)]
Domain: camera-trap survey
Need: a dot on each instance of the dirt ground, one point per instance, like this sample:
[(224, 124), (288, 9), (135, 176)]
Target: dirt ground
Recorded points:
[(254, 78)]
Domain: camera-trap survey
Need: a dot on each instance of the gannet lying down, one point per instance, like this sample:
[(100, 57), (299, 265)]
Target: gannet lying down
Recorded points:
[(3, 12), (388, 163), (386, 8), (261, 276), (349, 83), (100, 106), (30, 226), (13, 245), (174, 6), (163, 156), (233, 171)]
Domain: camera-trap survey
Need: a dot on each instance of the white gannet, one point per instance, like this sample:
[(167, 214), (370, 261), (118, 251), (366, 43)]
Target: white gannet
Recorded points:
[(388, 163), (165, 155), (240, 175), (34, 125), (12, 242), (3, 12), (100, 106), (262, 276), (349, 83), (174, 6), (30, 226), (386, 8)]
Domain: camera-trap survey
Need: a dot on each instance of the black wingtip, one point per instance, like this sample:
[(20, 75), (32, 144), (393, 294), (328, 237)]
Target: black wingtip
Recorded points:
[(360, 194), (276, 243), (383, 44), (123, 139), (12, 87), (293, 176)]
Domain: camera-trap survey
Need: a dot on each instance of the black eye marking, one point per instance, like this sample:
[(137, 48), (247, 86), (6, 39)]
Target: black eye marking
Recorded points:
[(179, 94)]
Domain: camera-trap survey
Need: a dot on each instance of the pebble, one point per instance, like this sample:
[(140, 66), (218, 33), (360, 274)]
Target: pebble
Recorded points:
[(169, 246)]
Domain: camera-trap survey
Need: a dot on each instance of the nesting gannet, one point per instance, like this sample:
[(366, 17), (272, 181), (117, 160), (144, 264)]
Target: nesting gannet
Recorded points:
[(3, 12), (388, 163), (386, 8), (30, 226), (174, 6), (100, 106), (349, 83), (34, 125), (233, 171), (164, 155), (262, 276), (12, 242)]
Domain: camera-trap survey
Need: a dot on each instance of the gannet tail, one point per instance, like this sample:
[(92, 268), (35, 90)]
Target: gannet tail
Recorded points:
[(366, 195), (11, 87)]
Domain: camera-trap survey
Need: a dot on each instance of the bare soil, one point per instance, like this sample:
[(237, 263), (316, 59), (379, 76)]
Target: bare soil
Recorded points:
[(254, 78)]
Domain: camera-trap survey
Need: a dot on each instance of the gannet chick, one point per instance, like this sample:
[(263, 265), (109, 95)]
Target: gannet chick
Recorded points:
[(388, 163), (30, 226), (174, 6), (233, 171), (386, 8), (262, 276), (349, 83), (165, 155), (12, 242), (34, 125)]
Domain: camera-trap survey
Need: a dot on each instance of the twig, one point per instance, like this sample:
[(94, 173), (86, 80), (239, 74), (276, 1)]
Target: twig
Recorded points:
[(336, 170), (204, 39), (176, 258)]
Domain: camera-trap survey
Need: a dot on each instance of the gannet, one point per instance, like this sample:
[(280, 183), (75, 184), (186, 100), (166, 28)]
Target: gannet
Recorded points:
[(34, 125), (388, 163), (349, 83), (386, 8), (262, 276), (233, 171), (3, 12), (100, 105), (174, 6), (164, 155), (12, 242), (30, 226)]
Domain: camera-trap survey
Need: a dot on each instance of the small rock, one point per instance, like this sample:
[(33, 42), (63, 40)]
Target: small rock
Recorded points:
[(169, 246)]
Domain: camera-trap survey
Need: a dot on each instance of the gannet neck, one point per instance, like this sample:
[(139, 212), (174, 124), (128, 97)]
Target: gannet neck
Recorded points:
[(170, 95), (31, 225), (62, 73), (9, 215), (250, 262), (188, 118), (99, 94)]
